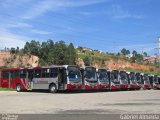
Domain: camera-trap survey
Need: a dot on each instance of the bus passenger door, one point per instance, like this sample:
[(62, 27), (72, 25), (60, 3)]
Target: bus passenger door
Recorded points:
[(11, 79), (30, 79), (62, 79)]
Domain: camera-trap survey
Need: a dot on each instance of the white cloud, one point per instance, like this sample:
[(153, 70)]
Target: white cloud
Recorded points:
[(117, 12), (8, 39), (40, 32), (53, 5), (19, 25)]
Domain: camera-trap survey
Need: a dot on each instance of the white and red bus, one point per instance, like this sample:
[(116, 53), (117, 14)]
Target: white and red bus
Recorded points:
[(154, 81), (103, 79), (114, 79), (53, 78), (9, 77), (89, 76), (145, 81), (132, 81), (138, 80), (123, 80)]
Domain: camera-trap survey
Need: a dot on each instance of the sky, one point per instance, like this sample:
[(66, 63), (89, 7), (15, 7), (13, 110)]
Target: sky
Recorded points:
[(107, 25)]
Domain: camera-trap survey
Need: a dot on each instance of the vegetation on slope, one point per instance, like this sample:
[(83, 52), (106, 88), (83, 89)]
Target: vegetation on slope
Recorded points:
[(59, 53)]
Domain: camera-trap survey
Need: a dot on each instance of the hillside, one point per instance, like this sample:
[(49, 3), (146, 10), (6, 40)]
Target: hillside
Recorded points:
[(119, 64), (98, 60), (101, 60), (17, 60)]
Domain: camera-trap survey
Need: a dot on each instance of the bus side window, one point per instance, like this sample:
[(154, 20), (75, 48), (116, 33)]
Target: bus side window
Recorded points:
[(16, 74), (23, 74), (37, 73), (45, 73), (53, 72), (5, 74)]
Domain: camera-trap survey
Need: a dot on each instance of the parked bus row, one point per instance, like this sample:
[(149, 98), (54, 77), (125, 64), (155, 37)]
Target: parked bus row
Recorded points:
[(71, 77)]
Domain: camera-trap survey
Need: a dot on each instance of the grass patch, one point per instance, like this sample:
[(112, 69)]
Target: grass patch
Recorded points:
[(6, 89)]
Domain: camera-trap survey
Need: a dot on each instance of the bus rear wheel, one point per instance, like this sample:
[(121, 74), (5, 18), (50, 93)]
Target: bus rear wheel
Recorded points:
[(52, 88), (18, 88)]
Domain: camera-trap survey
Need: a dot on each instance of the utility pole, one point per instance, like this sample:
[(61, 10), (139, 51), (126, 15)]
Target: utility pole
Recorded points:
[(158, 51)]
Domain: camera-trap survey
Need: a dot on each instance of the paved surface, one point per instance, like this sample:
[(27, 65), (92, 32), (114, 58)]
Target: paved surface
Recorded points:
[(147, 101)]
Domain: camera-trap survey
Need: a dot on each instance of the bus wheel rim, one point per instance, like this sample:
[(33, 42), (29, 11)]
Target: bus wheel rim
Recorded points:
[(53, 88), (18, 88)]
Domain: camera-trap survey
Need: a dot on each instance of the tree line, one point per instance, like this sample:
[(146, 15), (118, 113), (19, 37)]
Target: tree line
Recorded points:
[(50, 53), (60, 53)]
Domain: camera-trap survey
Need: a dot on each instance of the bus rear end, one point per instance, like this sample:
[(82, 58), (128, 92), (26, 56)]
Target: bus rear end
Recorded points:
[(4, 79), (12, 78)]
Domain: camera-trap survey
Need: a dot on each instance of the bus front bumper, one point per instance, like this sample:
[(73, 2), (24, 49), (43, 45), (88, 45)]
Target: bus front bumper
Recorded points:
[(74, 86)]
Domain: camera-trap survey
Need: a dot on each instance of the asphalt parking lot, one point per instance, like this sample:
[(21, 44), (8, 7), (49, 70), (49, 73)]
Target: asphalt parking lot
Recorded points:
[(143, 101)]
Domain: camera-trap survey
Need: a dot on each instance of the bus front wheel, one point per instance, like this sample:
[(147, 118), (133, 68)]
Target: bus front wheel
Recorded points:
[(52, 88), (18, 88)]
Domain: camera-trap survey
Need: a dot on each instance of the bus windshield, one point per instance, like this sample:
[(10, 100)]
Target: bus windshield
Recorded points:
[(155, 80), (114, 77), (90, 74), (74, 74), (103, 76), (123, 77), (133, 77), (138, 78), (146, 78)]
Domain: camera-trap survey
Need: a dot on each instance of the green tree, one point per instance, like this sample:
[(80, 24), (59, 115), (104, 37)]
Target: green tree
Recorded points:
[(17, 49), (59, 53), (33, 47), (87, 61), (46, 54), (136, 57), (124, 51), (127, 52), (43, 54), (71, 54), (50, 44), (133, 59), (145, 54), (13, 51), (139, 58), (134, 53)]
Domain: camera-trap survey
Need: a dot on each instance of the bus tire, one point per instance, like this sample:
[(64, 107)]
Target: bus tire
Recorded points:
[(18, 88), (52, 88)]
